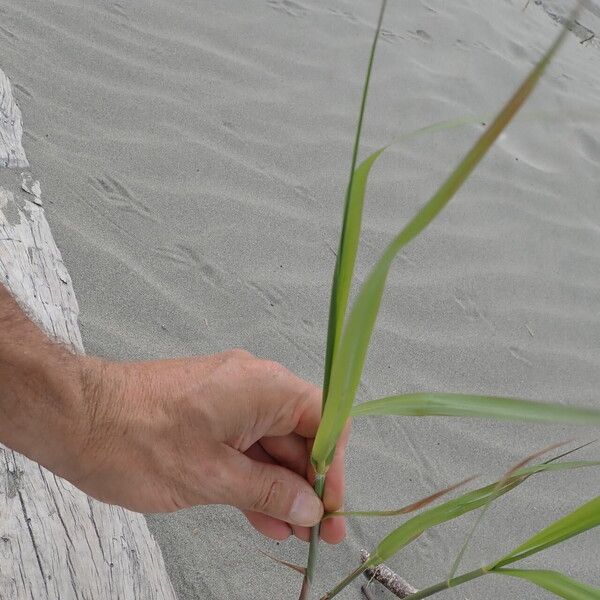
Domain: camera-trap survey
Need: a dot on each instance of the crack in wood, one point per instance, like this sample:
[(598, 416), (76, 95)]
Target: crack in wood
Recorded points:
[(32, 538)]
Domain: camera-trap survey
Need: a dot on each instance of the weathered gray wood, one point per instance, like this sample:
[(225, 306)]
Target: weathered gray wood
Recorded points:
[(55, 542)]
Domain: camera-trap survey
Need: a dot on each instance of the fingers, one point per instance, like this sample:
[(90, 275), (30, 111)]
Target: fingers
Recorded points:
[(333, 497), (269, 489), (269, 526), (272, 528), (292, 452), (285, 412), (289, 450), (310, 404), (333, 530), (281, 402)]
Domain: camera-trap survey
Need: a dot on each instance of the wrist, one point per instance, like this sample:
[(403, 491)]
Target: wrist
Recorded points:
[(41, 400), (102, 384)]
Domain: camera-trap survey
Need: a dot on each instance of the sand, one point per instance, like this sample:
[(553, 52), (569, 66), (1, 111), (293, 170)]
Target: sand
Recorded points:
[(193, 157)]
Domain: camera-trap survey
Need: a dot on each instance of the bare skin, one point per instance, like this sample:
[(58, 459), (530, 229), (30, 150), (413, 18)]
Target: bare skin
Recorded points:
[(164, 435)]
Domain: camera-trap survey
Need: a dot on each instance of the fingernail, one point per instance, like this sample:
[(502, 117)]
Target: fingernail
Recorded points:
[(306, 510)]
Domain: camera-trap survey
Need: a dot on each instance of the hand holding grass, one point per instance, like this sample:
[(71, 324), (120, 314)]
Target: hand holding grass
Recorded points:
[(223, 429), (162, 435)]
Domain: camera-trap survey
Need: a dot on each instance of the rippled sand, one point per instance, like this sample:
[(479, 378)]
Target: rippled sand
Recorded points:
[(193, 157)]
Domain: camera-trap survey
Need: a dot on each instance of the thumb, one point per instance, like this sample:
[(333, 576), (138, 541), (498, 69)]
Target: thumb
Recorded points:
[(270, 489)]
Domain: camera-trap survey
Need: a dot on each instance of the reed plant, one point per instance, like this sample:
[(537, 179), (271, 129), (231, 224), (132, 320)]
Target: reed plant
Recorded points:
[(348, 338)]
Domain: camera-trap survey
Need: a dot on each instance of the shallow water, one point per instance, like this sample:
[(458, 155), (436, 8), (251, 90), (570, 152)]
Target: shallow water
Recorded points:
[(193, 157)]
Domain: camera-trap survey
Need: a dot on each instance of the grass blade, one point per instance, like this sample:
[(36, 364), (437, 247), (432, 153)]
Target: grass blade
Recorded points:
[(585, 517), (351, 226), (418, 505), (340, 289), (349, 355), (521, 464), (550, 467), (448, 511), (352, 220), (572, 451), (351, 223), (355, 194), (557, 583), (413, 528), (402, 536), (462, 405)]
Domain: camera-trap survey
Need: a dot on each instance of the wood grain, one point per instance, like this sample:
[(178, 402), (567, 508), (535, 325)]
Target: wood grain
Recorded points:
[(55, 542)]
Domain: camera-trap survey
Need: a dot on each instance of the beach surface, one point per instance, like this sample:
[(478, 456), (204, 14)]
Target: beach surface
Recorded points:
[(193, 158)]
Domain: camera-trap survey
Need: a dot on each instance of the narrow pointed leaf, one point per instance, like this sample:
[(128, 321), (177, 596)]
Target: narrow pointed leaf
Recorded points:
[(413, 528), (582, 519), (572, 451), (410, 530), (554, 582), (346, 256), (462, 405), (340, 288), (349, 240), (511, 472), (550, 467), (418, 505), (349, 355)]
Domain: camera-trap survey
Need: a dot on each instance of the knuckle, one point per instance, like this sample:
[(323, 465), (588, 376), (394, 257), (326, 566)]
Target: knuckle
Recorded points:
[(234, 355), (239, 354), (270, 367), (234, 360)]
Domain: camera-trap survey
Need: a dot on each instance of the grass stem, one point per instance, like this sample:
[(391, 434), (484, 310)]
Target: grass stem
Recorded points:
[(342, 584), (444, 585), (313, 548)]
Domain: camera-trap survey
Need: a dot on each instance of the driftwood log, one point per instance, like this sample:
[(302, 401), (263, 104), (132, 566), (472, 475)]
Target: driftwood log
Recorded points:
[(55, 542)]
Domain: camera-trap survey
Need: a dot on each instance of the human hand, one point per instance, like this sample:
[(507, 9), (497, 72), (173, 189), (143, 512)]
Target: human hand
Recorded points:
[(223, 429)]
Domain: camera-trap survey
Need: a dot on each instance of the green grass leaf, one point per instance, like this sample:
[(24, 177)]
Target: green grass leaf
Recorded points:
[(510, 473), (410, 530), (554, 582), (462, 405), (550, 467), (414, 506), (347, 358), (582, 519), (413, 528), (352, 220), (340, 288), (351, 224)]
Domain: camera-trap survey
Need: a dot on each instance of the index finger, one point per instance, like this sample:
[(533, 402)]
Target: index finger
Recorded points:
[(333, 530), (310, 404), (285, 403)]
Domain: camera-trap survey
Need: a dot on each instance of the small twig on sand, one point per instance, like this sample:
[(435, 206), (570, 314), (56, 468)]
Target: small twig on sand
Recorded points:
[(386, 577)]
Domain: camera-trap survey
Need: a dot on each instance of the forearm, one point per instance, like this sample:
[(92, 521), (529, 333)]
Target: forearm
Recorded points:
[(163, 435), (41, 390)]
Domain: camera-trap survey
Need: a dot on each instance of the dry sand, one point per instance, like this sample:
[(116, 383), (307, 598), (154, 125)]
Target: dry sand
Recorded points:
[(194, 155)]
